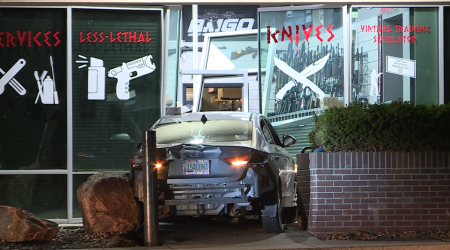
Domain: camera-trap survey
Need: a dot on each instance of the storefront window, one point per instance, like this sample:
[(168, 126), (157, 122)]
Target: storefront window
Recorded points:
[(302, 60), (446, 54), (116, 84), (33, 127), (394, 55), (172, 60), (43, 195)]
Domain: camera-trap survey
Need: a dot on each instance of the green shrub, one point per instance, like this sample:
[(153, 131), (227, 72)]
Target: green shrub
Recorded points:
[(386, 127)]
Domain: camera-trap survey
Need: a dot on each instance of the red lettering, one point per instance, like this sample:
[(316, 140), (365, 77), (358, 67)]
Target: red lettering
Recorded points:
[(81, 37), (374, 39), (146, 37), (29, 39), (35, 39), (118, 36), (46, 38), (398, 28), (399, 40), (95, 37), (101, 37), (318, 32), (57, 39), (132, 36), (363, 27), (284, 32), (111, 39), (141, 37), (422, 28), (88, 37), (413, 39), (21, 38), (307, 33), (125, 36), (1, 44), (10, 39), (296, 34), (427, 29), (331, 33)]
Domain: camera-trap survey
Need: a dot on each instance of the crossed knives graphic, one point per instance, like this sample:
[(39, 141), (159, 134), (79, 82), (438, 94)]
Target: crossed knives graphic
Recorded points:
[(8, 77), (301, 77)]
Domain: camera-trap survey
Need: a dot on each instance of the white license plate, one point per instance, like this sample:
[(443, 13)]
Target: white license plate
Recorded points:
[(196, 167)]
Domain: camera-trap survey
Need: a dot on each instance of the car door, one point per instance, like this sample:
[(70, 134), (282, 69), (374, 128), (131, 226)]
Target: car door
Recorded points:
[(277, 155), (282, 157)]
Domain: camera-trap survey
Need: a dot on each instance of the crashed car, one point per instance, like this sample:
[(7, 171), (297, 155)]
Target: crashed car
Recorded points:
[(222, 164)]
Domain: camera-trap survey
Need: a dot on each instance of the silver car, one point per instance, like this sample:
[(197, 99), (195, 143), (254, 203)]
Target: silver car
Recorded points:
[(222, 164)]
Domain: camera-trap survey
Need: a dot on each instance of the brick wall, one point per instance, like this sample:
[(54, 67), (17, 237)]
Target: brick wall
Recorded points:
[(378, 192)]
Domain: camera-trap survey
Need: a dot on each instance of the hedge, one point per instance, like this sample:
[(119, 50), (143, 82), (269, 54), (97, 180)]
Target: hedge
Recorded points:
[(398, 126)]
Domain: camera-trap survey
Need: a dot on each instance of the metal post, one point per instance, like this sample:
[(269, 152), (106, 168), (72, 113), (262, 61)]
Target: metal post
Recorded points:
[(151, 230)]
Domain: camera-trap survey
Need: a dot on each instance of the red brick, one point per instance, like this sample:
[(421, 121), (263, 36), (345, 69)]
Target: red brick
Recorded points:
[(334, 189), (325, 218), (438, 223), (352, 223), (419, 177), (342, 230), (437, 188), (334, 212), (428, 228), (324, 207), (343, 206), (358, 183), (360, 206), (386, 189), (342, 195), (317, 212), (420, 211), (394, 217), (386, 211), (323, 195), (428, 205), (317, 201), (403, 200), (334, 224), (402, 189), (350, 189), (429, 217), (403, 211), (352, 200), (411, 194), (318, 224), (403, 223), (360, 217), (420, 223), (369, 224), (324, 171), (411, 205), (334, 201), (341, 183), (421, 200), (385, 177), (438, 199), (342, 218), (394, 171), (350, 212), (377, 183), (386, 200), (402, 177), (377, 171), (324, 183), (388, 223), (429, 183), (444, 217), (372, 195), (359, 195), (411, 171), (367, 177), (444, 194), (368, 189), (411, 217), (342, 171), (395, 229), (360, 171), (428, 194), (411, 183), (444, 205), (394, 194), (395, 205), (333, 177)]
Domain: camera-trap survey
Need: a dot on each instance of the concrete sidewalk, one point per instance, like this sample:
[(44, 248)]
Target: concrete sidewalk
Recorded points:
[(294, 238)]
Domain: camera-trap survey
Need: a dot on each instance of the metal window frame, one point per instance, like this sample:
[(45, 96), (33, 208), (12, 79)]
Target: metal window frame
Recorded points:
[(440, 8)]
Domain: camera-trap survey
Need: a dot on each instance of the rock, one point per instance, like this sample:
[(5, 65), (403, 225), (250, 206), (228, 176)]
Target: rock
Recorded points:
[(17, 225), (107, 204)]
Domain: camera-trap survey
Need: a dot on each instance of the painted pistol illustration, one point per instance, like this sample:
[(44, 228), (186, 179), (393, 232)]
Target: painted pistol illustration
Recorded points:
[(129, 71)]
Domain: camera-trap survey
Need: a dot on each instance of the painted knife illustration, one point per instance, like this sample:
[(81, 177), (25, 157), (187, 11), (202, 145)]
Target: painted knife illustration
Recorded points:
[(8, 78), (301, 77)]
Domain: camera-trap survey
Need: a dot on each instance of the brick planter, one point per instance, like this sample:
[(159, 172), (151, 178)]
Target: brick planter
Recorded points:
[(376, 192)]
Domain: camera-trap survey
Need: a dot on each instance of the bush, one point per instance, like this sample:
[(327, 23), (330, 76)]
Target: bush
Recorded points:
[(396, 126)]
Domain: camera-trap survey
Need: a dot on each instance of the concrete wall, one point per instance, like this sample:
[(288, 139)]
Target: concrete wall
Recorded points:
[(378, 192)]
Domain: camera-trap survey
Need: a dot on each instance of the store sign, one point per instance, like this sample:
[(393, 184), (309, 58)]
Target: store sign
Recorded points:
[(114, 59), (218, 18), (287, 33), (380, 29), (401, 66)]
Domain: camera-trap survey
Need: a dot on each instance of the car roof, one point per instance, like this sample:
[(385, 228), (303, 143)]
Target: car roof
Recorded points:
[(213, 115)]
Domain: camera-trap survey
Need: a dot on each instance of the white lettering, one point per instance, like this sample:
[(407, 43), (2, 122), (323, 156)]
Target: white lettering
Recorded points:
[(200, 24), (230, 24), (245, 24)]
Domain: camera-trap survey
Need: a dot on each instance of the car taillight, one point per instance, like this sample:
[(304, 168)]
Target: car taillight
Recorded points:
[(237, 160), (137, 161)]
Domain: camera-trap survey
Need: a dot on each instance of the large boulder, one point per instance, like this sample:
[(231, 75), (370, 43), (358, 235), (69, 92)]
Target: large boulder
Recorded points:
[(17, 225), (107, 204)]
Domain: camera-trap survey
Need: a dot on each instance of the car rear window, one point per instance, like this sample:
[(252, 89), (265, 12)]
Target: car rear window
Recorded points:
[(216, 131)]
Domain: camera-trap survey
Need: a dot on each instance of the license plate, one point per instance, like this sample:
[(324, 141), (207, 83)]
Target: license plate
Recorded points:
[(192, 167)]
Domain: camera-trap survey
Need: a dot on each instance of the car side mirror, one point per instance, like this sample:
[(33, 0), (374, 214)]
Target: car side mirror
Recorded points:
[(138, 146), (288, 140)]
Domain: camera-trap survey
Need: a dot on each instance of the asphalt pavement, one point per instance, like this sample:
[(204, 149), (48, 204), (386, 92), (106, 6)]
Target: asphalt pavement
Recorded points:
[(252, 237)]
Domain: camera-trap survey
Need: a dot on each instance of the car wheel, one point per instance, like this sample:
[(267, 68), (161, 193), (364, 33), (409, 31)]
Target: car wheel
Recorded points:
[(274, 224)]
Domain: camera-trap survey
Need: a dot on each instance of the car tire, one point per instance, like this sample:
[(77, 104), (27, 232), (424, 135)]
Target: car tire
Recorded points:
[(274, 224)]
